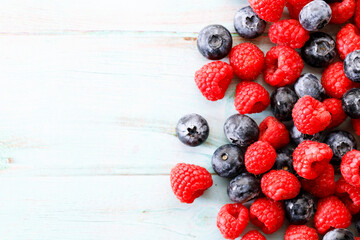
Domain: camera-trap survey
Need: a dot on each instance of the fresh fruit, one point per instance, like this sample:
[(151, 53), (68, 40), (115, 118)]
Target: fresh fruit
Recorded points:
[(253, 235), (274, 132), (295, 7), (214, 42), (189, 181), (298, 137), (340, 142), (352, 66), (284, 160), (228, 161), (322, 186), (309, 84), (334, 107), (356, 125), (247, 61), (349, 167), (342, 11), (192, 130), (339, 234), (259, 157), (251, 97), (301, 232), (244, 188), (232, 220), (300, 209), (349, 194), (269, 10), (213, 79), (283, 100), (357, 14), (351, 103), (315, 15), (283, 65), (241, 130), (248, 24), (320, 50), (348, 40)]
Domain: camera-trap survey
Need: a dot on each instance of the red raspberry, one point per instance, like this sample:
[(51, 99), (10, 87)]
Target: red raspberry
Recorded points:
[(295, 7), (247, 61), (300, 232), (280, 185), (310, 116), (349, 194), (356, 125), (267, 215), (232, 220), (288, 33), (349, 167), (331, 213), (357, 238), (283, 65), (334, 107), (268, 10), (334, 81), (251, 97), (259, 157), (322, 186), (357, 14), (274, 132), (311, 158), (253, 235), (189, 181), (347, 40), (342, 11), (213, 79)]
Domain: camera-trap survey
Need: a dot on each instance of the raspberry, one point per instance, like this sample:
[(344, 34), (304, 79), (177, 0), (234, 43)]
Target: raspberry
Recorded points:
[(274, 132), (232, 220), (253, 235), (348, 40), (280, 185), (267, 215), (259, 157), (283, 65), (349, 194), (334, 81), (295, 7), (247, 61), (251, 97), (349, 167), (322, 186), (213, 79), (288, 33), (189, 181), (268, 10), (311, 158), (356, 125), (331, 213), (310, 116), (357, 14), (342, 11), (300, 232), (334, 107)]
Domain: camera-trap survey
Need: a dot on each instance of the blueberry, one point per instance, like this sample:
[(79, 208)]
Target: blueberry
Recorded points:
[(214, 42), (244, 188), (351, 103), (301, 209), (282, 102), (339, 234), (320, 50), (248, 24), (298, 137), (241, 130), (357, 223), (315, 15), (340, 143), (284, 160), (192, 130), (352, 66), (309, 84), (228, 161)]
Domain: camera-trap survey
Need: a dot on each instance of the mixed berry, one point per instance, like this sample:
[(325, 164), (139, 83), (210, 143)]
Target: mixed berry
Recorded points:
[(296, 165)]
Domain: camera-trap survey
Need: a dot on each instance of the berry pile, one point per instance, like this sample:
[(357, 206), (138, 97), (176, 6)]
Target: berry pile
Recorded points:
[(286, 167)]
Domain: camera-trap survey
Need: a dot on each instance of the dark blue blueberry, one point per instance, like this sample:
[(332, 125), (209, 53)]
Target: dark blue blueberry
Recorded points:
[(351, 103), (301, 209), (244, 188), (283, 100), (340, 143), (284, 160), (339, 234), (315, 15), (241, 130), (320, 50), (228, 161), (309, 84), (298, 137), (192, 130), (214, 42), (352, 66), (248, 24)]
